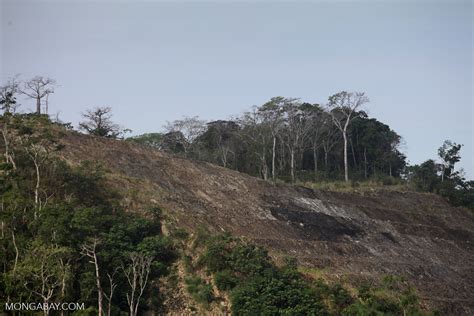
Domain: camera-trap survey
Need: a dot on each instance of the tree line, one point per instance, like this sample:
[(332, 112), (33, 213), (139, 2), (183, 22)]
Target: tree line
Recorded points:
[(283, 139), (288, 139)]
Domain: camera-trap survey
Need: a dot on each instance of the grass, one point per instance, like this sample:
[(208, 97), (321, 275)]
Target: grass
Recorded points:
[(356, 186)]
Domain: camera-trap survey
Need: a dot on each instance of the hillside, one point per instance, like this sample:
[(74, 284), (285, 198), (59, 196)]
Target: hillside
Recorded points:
[(352, 236)]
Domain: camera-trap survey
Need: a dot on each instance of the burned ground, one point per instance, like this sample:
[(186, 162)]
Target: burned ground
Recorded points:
[(355, 236)]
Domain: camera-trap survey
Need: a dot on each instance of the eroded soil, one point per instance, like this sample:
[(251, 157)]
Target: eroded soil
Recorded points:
[(355, 236)]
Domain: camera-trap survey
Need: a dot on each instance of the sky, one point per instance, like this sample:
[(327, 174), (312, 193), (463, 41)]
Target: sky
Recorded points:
[(156, 61)]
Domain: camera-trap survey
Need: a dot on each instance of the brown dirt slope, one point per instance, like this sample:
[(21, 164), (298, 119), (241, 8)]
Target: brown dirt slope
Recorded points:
[(353, 236)]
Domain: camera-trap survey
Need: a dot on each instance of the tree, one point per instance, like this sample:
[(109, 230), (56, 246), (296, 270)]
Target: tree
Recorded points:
[(297, 127), (449, 153), (43, 271), (189, 127), (330, 137), (136, 272), (8, 94), (37, 88), (256, 136), (317, 119), (154, 140), (272, 113), (99, 123), (89, 249), (219, 140), (342, 106)]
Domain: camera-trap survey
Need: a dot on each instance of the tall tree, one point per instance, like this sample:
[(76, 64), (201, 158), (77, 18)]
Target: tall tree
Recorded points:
[(89, 249), (256, 136), (189, 127), (136, 272), (342, 107), (272, 114), (449, 153), (317, 119), (297, 128), (37, 88)]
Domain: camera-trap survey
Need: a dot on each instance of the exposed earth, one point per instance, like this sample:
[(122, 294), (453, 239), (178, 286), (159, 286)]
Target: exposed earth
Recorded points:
[(352, 236)]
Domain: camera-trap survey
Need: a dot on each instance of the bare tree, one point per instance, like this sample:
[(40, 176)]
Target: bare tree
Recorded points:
[(342, 107), (112, 286), (98, 122), (37, 88), (136, 273), (89, 250), (190, 127)]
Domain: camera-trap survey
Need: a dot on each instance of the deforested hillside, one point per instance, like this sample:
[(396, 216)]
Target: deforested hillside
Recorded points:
[(353, 237)]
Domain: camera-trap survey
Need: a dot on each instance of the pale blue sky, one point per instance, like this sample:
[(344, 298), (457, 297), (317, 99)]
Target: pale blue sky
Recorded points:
[(155, 61)]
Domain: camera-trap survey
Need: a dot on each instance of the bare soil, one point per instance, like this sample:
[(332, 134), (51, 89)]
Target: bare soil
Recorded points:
[(357, 236)]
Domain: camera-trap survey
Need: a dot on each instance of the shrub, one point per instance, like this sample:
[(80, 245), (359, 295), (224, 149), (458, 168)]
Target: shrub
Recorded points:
[(199, 290), (225, 280)]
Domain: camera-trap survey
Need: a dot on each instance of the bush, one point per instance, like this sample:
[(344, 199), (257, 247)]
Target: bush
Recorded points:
[(225, 280), (200, 291)]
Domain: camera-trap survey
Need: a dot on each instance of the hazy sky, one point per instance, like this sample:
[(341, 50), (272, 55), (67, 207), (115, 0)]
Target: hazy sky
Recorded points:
[(155, 61)]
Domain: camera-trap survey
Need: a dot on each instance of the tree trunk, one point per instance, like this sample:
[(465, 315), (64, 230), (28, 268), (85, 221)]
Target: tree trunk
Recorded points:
[(17, 253), (365, 163), (326, 159), (353, 155), (346, 167), (292, 164), (8, 157), (273, 158), (99, 287), (37, 184), (264, 167), (315, 157), (38, 105)]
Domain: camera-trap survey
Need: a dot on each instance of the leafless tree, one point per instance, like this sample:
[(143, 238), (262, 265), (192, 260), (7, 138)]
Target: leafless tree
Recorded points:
[(112, 286), (136, 272), (98, 122), (89, 249), (189, 127), (342, 107), (37, 88)]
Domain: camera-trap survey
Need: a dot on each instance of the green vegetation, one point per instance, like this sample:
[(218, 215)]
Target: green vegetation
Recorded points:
[(286, 139), (442, 178), (199, 290), (64, 236), (256, 286)]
